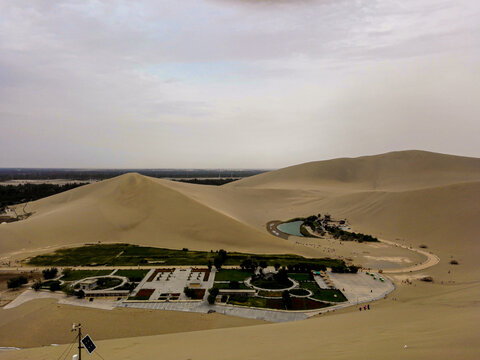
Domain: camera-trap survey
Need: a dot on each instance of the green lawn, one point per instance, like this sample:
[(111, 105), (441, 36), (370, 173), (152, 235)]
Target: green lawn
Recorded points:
[(270, 284), (300, 292), (226, 286), (270, 293), (300, 276), (133, 275), (232, 275), (323, 294), (133, 255), (106, 283), (248, 301), (80, 274)]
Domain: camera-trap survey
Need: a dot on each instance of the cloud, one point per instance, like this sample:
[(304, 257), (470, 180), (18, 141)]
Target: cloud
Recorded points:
[(124, 83)]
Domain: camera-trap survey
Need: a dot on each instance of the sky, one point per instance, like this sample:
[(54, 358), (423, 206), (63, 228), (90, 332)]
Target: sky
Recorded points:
[(235, 83)]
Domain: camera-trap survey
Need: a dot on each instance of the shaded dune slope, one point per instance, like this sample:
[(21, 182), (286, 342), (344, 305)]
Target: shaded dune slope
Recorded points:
[(135, 209)]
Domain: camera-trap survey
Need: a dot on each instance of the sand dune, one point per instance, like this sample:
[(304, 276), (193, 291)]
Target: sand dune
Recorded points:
[(403, 170), (134, 209), (407, 197)]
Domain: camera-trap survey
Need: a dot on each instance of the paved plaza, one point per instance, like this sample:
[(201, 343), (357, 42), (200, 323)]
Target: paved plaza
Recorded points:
[(168, 284)]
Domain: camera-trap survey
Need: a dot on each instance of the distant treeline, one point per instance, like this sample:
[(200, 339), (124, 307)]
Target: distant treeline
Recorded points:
[(214, 181), (17, 194), (101, 174)]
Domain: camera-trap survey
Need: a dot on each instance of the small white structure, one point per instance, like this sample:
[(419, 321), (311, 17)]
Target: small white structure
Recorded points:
[(88, 284)]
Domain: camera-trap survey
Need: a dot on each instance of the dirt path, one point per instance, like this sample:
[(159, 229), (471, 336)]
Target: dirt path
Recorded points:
[(432, 259)]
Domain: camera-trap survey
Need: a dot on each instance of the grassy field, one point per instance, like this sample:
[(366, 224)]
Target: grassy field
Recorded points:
[(133, 255), (74, 275), (226, 286), (270, 284), (270, 293), (300, 276), (232, 275), (133, 275), (248, 301), (323, 294)]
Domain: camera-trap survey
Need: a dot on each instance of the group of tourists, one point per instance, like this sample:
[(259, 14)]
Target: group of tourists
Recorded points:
[(365, 307)]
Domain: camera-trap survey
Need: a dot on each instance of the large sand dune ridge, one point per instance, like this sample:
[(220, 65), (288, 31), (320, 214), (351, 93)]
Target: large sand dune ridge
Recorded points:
[(410, 197)]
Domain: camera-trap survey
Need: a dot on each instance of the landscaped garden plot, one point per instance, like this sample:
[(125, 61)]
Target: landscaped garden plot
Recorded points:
[(135, 275), (271, 284), (333, 295), (133, 255), (195, 294), (301, 276), (239, 285), (232, 275), (295, 303), (299, 292), (157, 271), (107, 283), (265, 293), (252, 301), (74, 275), (143, 294), (306, 304)]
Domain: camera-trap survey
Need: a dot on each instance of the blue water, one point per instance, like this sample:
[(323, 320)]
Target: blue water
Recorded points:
[(291, 228)]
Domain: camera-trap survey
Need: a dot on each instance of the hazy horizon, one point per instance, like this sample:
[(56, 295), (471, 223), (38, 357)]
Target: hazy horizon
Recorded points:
[(217, 84)]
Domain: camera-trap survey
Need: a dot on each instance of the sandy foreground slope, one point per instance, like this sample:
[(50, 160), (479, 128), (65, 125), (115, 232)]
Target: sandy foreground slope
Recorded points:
[(439, 320)]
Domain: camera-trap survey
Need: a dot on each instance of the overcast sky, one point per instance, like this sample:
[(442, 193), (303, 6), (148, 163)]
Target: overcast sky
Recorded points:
[(235, 83)]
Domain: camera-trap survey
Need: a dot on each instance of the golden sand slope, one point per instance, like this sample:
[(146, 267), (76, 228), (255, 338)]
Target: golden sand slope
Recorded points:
[(33, 318), (409, 197), (133, 209), (402, 170)]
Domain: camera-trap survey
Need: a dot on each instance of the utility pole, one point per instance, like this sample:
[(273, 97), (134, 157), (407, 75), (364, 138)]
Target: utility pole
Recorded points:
[(79, 328)]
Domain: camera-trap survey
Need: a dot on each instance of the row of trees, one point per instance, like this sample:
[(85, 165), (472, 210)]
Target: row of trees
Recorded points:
[(17, 194), (344, 235), (352, 269)]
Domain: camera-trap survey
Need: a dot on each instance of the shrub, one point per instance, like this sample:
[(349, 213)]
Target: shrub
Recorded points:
[(453, 262), (189, 292), (55, 286), (213, 291), (15, 282), (287, 300), (50, 273), (37, 285)]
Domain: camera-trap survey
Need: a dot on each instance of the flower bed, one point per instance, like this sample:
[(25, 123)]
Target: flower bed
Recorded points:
[(143, 294), (152, 277)]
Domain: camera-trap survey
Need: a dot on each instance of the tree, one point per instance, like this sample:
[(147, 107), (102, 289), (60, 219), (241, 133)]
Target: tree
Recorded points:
[(50, 273), (282, 277), (15, 282), (212, 296), (287, 300), (276, 266), (218, 262), (66, 272), (189, 292), (209, 265), (80, 294), (263, 264), (223, 254), (37, 285), (55, 286)]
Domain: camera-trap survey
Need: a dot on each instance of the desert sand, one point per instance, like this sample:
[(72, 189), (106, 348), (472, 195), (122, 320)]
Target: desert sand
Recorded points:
[(410, 198)]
